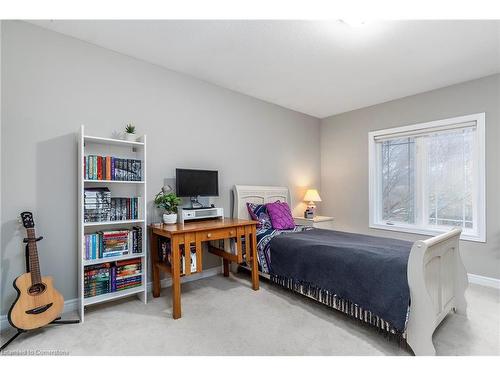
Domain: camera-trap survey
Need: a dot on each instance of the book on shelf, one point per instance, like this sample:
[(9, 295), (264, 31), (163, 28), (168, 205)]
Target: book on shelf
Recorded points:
[(125, 208), (97, 279), (97, 167), (113, 243), (112, 277), (100, 206), (193, 260), (165, 254), (96, 203)]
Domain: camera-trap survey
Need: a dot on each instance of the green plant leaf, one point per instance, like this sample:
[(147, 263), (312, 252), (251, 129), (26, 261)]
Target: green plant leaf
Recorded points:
[(130, 129), (167, 201)]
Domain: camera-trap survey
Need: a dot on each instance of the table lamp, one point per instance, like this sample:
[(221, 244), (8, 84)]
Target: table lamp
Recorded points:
[(311, 196)]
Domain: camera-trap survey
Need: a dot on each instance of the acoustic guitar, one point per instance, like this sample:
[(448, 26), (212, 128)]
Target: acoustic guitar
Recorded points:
[(38, 303)]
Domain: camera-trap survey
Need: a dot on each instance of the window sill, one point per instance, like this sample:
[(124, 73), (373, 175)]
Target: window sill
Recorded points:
[(426, 231)]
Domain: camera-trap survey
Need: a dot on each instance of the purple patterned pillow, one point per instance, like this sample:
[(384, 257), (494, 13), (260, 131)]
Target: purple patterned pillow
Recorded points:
[(280, 214), (258, 212)]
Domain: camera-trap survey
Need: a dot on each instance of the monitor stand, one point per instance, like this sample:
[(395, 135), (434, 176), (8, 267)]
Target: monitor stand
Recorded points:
[(195, 204)]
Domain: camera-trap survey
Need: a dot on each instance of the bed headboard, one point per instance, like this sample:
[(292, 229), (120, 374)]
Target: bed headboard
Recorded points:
[(256, 194)]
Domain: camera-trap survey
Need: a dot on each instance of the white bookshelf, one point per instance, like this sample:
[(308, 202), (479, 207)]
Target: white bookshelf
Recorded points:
[(91, 145)]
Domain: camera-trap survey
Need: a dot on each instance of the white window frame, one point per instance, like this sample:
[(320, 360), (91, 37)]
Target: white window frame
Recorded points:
[(479, 202)]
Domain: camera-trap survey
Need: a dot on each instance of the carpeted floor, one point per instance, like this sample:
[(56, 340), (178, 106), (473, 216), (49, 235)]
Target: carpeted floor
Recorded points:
[(225, 317)]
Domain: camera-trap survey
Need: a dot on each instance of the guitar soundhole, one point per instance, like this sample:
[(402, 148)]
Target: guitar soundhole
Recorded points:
[(37, 289)]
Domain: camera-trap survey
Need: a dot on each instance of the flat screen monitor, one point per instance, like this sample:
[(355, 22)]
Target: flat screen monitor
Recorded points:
[(196, 182)]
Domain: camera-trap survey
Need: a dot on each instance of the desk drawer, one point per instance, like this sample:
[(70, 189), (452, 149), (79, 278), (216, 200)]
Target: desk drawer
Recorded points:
[(218, 234)]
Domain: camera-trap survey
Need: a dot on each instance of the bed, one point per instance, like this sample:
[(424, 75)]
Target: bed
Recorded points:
[(433, 273)]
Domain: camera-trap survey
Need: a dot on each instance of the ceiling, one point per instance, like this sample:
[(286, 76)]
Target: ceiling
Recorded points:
[(316, 67)]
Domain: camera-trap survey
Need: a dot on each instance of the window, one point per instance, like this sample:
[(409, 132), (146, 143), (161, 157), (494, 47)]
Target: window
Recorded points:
[(428, 178)]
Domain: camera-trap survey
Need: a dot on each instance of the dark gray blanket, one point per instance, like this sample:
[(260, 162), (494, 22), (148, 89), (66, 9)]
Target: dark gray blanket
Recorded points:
[(366, 270)]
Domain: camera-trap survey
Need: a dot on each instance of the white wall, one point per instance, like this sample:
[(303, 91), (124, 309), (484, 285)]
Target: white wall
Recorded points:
[(344, 160), (53, 83)]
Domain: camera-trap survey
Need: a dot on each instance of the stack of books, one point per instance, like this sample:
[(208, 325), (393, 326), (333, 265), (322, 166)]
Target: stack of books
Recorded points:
[(112, 277), (165, 254), (97, 280), (112, 243), (97, 204), (96, 167), (126, 274)]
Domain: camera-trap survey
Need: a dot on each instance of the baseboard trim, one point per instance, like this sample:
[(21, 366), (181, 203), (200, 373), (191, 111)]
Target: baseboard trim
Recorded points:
[(484, 281), (72, 304)]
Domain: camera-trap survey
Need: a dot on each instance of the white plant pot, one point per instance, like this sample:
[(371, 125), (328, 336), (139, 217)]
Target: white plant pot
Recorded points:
[(130, 137), (170, 218)]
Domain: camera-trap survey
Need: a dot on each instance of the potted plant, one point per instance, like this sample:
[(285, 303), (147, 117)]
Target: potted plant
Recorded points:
[(169, 203), (130, 132)]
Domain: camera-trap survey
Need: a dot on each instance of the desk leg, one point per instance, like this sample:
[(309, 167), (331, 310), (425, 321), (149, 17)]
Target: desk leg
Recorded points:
[(226, 264), (176, 277), (199, 253), (154, 264), (255, 267)]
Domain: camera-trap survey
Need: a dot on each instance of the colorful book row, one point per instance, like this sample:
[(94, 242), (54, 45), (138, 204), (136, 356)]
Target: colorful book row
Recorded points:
[(101, 168), (112, 243), (112, 277)]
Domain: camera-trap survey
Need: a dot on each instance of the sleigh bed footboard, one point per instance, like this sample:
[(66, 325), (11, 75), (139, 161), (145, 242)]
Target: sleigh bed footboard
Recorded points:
[(437, 281)]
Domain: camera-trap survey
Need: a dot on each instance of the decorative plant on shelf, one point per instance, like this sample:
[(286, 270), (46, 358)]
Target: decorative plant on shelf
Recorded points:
[(130, 132), (169, 202)]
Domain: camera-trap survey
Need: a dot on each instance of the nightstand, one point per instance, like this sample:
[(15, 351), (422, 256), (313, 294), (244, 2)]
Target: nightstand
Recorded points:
[(321, 222)]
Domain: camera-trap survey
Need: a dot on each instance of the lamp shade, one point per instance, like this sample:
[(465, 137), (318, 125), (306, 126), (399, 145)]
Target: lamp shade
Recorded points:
[(312, 196)]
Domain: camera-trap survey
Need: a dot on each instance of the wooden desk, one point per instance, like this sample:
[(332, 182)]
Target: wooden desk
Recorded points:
[(198, 232)]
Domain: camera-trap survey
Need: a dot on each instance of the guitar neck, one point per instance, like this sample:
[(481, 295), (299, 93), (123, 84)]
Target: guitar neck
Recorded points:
[(33, 257)]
